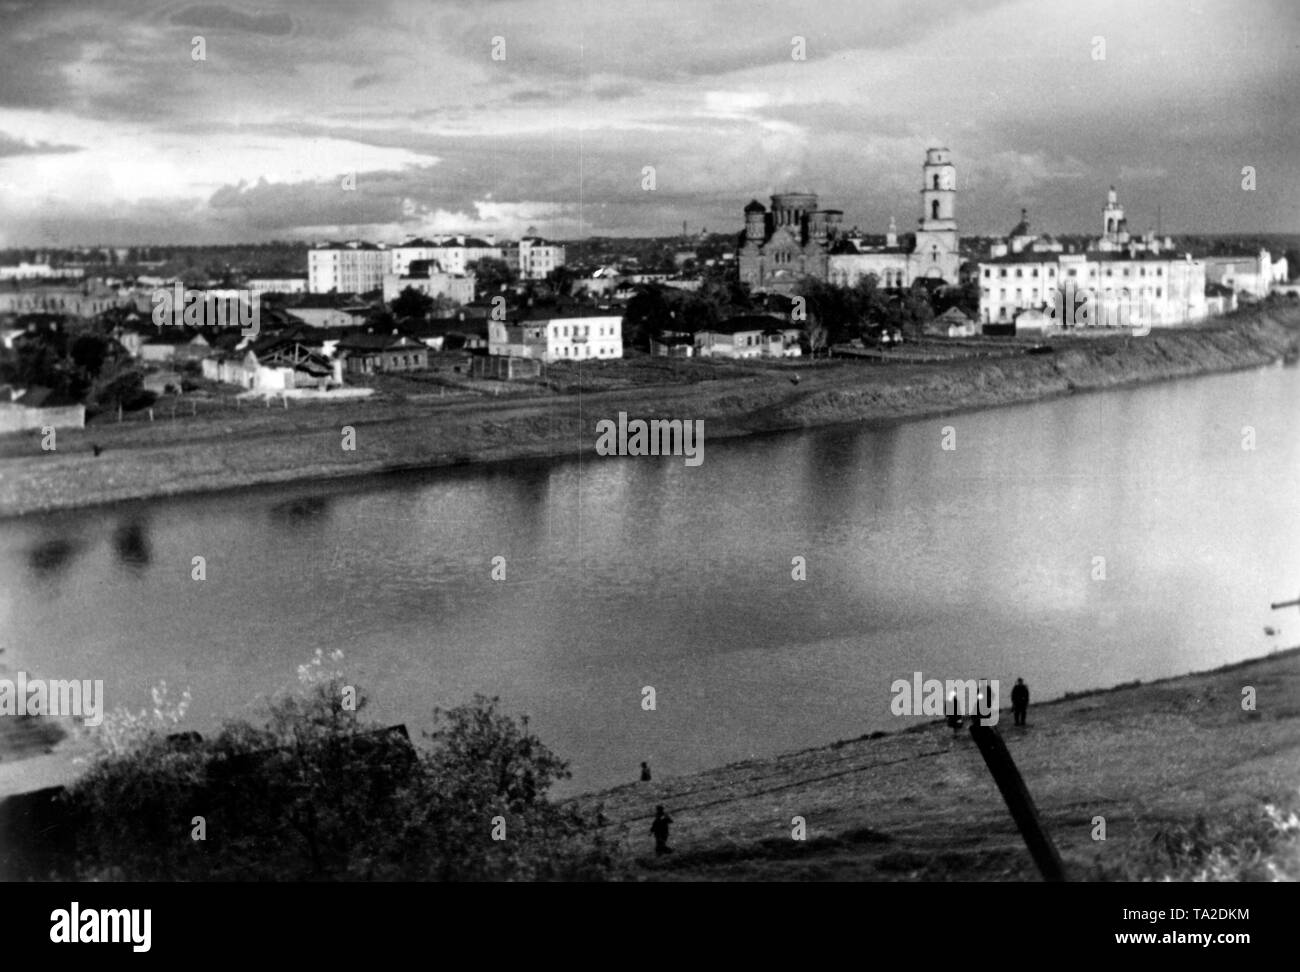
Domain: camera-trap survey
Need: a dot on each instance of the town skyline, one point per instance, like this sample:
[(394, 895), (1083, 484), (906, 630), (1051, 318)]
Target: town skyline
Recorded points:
[(112, 133)]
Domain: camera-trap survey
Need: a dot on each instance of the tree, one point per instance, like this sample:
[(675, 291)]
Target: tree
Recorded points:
[(648, 314), (411, 303), (491, 275), (316, 792), (561, 281)]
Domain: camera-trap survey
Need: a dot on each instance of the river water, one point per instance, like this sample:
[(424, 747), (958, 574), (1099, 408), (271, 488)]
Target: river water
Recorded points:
[(623, 573)]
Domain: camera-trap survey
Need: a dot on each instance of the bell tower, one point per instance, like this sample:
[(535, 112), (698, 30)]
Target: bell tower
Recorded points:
[(938, 191), (936, 253)]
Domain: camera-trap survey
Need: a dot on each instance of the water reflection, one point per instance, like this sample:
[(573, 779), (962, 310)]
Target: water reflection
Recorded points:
[(300, 510), (52, 557), (131, 543)]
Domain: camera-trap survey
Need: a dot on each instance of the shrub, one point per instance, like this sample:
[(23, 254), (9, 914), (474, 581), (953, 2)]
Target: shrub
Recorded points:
[(316, 793)]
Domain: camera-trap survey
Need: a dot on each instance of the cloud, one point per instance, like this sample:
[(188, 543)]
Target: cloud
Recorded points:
[(218, 17), (108, 123), (9, 146)]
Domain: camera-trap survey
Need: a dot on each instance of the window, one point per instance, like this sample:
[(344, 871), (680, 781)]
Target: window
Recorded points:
[(1035, 271), (1159, 291), (936, 180), (987, 272), (1003, 273), (934, 208), (1074, 273), (1160, 271)]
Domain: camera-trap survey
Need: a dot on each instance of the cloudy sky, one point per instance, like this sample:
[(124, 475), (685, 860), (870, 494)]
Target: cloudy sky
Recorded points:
[(112, 132)]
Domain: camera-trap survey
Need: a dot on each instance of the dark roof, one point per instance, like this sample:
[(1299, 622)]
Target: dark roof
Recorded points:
[(754, 206), (747, 322), (378, 342)]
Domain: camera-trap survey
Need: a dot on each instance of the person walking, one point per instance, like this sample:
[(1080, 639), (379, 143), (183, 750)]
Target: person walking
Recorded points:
[(659, 829), (1020, 701)]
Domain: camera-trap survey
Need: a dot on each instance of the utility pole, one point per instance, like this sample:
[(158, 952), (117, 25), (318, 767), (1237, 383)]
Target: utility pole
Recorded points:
[(998, 759)]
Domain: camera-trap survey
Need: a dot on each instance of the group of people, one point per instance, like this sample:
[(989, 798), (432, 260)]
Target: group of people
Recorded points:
[(1019, 707)]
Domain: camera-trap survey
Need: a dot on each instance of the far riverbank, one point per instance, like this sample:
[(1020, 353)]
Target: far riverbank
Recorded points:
[(303, 442)]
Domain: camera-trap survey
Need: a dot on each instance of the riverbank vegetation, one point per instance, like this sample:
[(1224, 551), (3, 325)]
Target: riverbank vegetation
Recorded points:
[(316, 792)]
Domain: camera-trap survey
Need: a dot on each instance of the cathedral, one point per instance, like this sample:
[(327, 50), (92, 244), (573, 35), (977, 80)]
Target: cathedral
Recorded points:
[(796, 239)]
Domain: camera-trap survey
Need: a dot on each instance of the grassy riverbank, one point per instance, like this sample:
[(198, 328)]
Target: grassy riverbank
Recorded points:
[(1180, 772), (304, 442)]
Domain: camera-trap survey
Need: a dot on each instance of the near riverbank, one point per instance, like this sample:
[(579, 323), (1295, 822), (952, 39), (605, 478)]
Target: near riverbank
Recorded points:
[(1177, 770), (305, 442)]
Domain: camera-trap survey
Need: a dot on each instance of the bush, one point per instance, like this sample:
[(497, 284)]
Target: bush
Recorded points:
[(315, 793)]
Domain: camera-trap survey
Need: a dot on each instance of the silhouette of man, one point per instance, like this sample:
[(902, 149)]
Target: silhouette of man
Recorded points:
[(660, 831), (645, 772), (954, 717), (1020, 701)]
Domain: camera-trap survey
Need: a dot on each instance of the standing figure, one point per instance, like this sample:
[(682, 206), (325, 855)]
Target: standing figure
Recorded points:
[(954, 717), (660, 831), (645, 772), (1020, 701)]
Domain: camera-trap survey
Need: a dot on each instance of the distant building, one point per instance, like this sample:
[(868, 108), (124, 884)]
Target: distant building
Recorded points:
[(1254, 275), (748, 336), (364, 354), (534, 258), (39, 271), (454, 254), (797, 238), (558, 339), (347, 268), (292, 284), (953, 323), (425, 277), (1118, 280), (325, 313)]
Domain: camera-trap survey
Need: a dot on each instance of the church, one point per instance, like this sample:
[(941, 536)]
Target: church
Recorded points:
[(796, 239)]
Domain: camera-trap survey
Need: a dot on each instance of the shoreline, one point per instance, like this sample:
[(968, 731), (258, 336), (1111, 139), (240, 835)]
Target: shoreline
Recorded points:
[(917, 803), (217, 454)]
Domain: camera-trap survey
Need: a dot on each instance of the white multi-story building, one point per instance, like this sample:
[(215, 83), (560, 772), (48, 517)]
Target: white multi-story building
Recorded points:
[(1095, 288), (1119, 280), (559, 338), (537, 257), (347, 268), (454, 254)]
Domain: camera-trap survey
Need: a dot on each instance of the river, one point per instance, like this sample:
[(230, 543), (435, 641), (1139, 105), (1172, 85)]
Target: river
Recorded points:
[(624, 573)]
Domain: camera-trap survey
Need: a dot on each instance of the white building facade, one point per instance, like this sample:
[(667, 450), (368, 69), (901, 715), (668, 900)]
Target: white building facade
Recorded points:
[(347, 268), (559, 339)]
